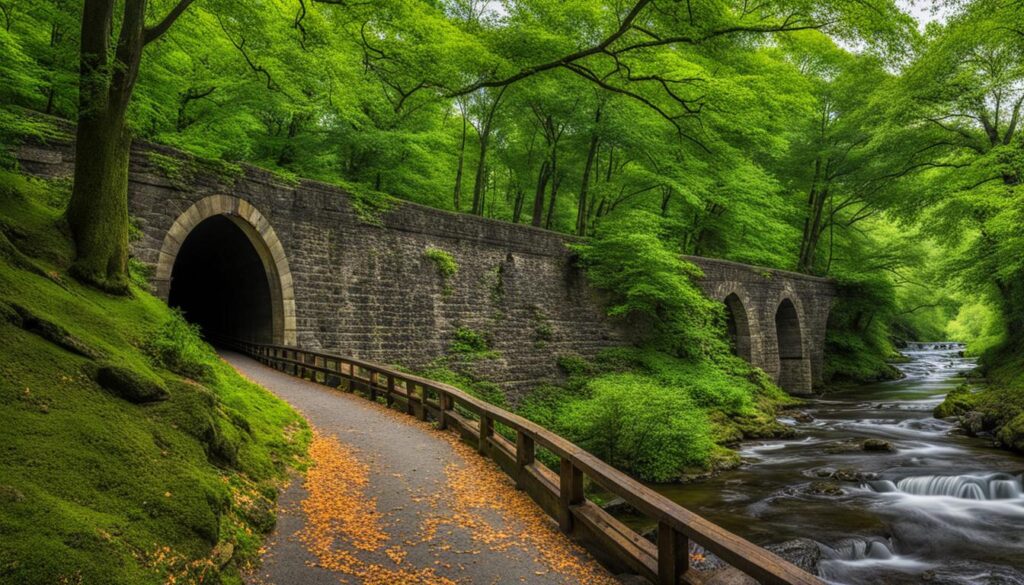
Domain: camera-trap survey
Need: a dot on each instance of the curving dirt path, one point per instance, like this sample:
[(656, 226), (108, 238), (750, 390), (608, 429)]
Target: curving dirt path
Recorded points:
[(390, 500)]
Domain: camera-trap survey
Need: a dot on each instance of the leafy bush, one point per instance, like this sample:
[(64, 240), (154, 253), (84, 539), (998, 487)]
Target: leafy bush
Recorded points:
[(482, 389), (652, 287), (639, 425), (178, 347)]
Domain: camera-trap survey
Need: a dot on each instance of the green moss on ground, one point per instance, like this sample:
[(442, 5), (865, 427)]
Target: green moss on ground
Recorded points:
[(996, 406), (96, 489)]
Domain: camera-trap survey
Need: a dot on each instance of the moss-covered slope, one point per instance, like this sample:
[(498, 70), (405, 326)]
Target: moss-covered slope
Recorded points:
[(129, 452), (996, 407)]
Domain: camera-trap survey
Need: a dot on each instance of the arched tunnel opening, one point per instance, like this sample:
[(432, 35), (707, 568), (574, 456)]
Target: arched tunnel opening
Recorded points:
[(738, 326), (220, 283), (794, 367)]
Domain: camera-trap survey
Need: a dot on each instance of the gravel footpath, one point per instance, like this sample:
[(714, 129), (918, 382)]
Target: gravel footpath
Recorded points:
[(391, 500)]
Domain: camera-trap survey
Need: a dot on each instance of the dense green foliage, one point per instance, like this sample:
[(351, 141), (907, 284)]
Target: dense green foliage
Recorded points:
[(96, 489), (636, 261), (656, 415), (831, 137)]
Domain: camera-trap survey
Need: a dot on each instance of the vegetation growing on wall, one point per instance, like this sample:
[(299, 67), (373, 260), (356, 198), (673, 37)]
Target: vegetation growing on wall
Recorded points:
[(445, 264)]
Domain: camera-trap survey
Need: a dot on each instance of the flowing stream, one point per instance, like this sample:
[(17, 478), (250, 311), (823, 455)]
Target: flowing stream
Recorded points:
[(940, 508)]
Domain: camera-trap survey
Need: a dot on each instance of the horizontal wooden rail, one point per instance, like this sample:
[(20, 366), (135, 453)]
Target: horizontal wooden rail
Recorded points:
[(559, 493)]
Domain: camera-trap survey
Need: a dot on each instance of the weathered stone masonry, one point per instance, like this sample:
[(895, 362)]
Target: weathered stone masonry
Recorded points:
[(368, 290), (778, 318)]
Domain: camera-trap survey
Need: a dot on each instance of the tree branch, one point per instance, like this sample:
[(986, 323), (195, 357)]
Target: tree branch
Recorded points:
[(154, 32)]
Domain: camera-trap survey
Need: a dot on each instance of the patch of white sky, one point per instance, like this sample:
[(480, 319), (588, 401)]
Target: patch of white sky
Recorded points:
[(925, 11)]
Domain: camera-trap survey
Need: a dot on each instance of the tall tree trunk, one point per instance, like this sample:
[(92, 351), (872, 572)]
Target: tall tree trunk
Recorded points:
[(458, 171), (517, 209), (815, 207), (581, 208), (97, 213), (812, 230), (538, 197), (556, 180), (481, 173)]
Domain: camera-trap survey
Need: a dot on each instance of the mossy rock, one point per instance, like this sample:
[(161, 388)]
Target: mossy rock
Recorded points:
[(762, 426), (49, 331), (11, 495), (196, 411), (130, 385), (957, 403), (259, 512), (1012, 434)]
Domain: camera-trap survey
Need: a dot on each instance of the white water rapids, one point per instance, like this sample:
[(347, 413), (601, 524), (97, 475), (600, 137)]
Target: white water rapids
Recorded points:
[(939, 507)]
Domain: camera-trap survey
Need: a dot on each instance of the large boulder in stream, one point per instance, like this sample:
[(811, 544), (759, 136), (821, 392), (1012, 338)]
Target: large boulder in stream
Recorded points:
[(877, 445), (802, 552)]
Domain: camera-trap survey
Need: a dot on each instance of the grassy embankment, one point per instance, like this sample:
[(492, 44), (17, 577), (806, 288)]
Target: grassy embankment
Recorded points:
[(129, 452), (995, 406)]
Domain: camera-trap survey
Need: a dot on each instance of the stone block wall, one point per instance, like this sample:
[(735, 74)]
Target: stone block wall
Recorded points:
[(368, 289)]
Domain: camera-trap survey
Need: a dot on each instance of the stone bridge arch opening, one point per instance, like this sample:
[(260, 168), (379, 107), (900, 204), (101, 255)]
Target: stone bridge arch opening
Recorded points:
[(794, 363), (223, 266), (737, 322)]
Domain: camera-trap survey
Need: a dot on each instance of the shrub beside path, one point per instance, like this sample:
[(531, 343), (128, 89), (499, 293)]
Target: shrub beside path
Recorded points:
[(388, 499)]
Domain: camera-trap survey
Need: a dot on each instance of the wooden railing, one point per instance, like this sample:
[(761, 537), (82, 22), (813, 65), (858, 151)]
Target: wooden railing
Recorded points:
[(513, 443)]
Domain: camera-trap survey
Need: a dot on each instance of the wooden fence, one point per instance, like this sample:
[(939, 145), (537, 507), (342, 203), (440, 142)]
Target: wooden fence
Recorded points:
[(513, 443)]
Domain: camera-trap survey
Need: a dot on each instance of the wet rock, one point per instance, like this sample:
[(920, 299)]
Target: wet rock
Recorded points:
[(619, 507), (877, 445), (130, 385), (853, 475), (824, 488), (802, 552), (802, 417), (844, 447)]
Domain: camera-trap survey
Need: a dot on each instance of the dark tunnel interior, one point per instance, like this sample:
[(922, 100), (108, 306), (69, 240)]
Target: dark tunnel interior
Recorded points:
[(219, 283)]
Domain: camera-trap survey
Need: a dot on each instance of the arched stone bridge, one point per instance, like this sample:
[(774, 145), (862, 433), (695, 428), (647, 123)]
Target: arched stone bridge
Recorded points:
[(253, 256), (777, 319)]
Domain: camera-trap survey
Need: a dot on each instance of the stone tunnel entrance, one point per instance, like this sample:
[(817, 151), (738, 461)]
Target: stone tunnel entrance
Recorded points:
[(223, 265), (794, 364), (220, 283)]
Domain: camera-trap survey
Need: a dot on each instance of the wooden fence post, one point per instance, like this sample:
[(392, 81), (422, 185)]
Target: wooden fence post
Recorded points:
[(525, 454), (442, 400), (673, 554), (486, 430), (570, 493), (423, 402)]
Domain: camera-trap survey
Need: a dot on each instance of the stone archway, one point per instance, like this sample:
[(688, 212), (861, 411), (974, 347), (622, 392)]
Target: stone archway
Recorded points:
[(794, 367), (230, 225), (738, 325)]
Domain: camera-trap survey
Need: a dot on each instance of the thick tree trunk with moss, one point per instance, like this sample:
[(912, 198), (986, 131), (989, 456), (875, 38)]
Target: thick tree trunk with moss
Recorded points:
[(98, 211)]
